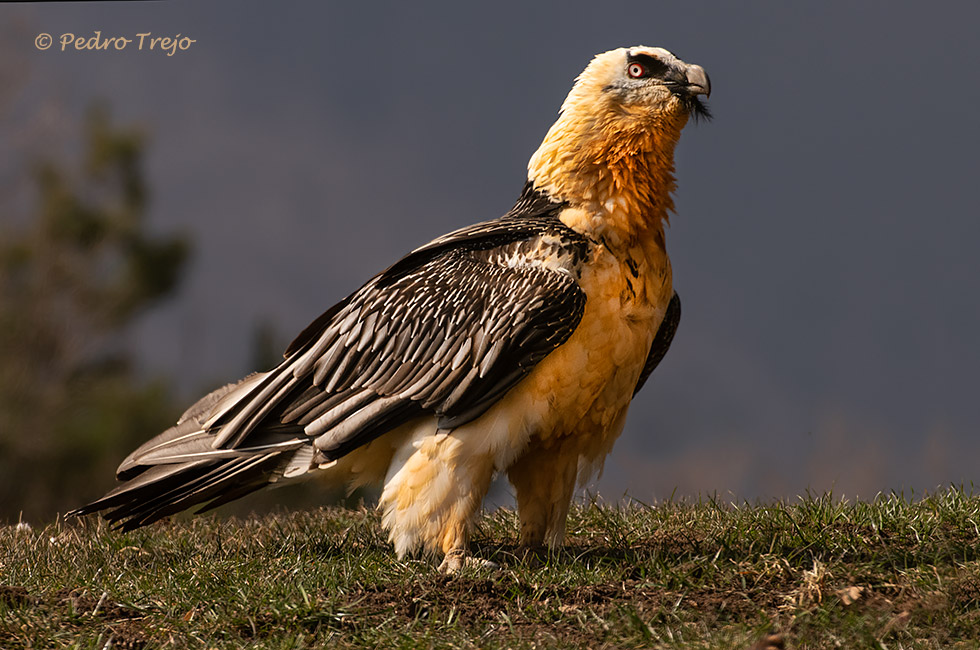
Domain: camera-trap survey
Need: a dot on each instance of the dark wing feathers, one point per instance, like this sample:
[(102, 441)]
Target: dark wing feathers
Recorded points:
[(162, 490), (447, 330), (433, 347), (661, 342)]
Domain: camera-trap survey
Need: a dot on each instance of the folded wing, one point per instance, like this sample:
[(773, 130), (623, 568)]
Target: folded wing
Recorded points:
[(445, 332)]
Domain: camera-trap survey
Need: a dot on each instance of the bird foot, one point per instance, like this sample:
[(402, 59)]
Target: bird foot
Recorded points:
[(458, 559)]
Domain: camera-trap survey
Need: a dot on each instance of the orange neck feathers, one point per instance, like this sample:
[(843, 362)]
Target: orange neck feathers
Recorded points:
[(617, 167)]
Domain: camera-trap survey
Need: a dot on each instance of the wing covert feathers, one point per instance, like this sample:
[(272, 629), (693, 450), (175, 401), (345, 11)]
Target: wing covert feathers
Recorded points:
[(447, 331), (448, 337)]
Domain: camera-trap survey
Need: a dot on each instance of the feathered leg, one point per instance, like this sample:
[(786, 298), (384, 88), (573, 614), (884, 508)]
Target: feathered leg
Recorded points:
[(544, 480), (433, 491)]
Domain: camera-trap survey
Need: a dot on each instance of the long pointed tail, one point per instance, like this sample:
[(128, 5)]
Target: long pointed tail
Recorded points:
[(181, 468), (164, 490)]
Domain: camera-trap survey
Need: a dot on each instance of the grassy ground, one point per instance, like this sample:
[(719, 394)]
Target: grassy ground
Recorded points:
[(820, 572)]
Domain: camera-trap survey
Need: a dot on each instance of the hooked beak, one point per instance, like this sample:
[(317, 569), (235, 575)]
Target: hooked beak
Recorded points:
[(698, 82)]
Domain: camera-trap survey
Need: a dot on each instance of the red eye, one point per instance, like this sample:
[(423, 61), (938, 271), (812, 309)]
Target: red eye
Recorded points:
[(636, 70)]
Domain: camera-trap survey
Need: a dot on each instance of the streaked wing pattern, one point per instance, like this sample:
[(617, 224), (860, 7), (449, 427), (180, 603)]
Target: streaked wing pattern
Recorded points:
[(449, 337), (447, 331)]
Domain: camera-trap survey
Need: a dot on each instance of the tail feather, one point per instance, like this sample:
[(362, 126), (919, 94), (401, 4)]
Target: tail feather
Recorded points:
[(237, 440), (241, 475), (188, 429), (163, 490), (153, 481), (184, 466)]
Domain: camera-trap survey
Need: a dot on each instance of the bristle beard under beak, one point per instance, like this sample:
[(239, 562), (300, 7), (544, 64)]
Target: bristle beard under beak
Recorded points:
[(697, 108)]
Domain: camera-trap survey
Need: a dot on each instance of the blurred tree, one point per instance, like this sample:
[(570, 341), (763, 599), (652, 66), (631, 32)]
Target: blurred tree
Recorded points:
[(73, 275)]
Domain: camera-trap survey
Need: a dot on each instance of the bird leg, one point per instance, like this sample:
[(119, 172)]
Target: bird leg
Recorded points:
[(433, 497), (544, 480)]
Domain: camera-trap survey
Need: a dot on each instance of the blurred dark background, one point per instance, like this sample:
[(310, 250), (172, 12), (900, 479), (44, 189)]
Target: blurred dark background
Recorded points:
[(168, 223)]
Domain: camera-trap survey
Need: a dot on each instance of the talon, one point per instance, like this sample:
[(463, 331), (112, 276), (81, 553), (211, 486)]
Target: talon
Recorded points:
[(453, 562), (480, 563), (457, 559)]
